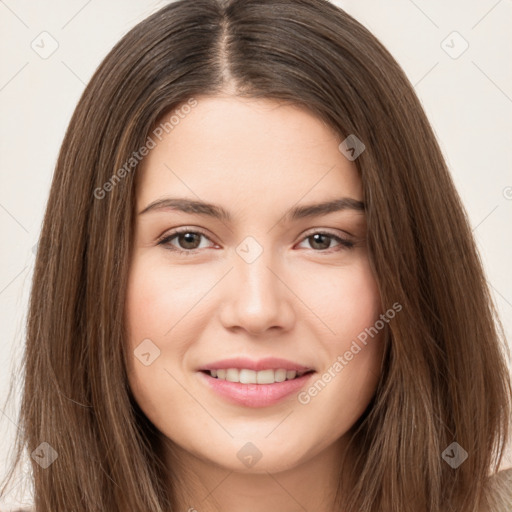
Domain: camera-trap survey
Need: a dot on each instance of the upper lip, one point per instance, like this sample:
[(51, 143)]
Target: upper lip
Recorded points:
[(266, 363)]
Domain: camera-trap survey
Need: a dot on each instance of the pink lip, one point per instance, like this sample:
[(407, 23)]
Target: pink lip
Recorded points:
[(254, 395), (267, 363)]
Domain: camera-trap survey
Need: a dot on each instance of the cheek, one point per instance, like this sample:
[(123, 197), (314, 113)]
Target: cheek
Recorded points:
[(359, 341), (350, 302), (157, 300), (152, 309), (351, 308), (154, 306), (148, 298)]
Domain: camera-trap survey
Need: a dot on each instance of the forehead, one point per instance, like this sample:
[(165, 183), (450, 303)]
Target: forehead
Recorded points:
[(247, 153)]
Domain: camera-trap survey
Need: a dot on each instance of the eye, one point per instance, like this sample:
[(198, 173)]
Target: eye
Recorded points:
[(189, 241), (321, 241)]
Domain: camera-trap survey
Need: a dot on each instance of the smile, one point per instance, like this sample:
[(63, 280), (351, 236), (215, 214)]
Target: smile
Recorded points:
[(268, 392), (245, 376)]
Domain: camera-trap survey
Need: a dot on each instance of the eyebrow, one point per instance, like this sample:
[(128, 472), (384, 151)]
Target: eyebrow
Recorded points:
[(218, 212)]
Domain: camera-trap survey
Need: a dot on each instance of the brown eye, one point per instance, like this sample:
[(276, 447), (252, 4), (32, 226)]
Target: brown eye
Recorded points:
[(322, 242), (187, 241)]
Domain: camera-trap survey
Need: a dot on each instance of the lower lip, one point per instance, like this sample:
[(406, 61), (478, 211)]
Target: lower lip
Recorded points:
[(255, 395)]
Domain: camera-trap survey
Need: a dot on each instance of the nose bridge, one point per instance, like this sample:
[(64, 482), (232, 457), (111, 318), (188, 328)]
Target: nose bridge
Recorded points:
[(253, 276), (258, 299)]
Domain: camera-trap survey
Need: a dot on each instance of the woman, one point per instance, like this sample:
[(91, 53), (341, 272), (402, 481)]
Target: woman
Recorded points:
[(256, 287)]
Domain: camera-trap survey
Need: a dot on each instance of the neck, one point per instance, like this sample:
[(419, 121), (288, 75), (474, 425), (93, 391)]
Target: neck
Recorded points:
[(203, 486)]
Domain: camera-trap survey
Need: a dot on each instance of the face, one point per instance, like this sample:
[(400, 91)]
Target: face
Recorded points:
[(232, 292)]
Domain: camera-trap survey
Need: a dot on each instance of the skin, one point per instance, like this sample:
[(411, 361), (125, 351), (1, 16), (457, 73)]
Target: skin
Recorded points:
[(299, 300)]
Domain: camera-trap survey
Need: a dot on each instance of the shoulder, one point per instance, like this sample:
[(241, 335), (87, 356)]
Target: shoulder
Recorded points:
[(498, 492)]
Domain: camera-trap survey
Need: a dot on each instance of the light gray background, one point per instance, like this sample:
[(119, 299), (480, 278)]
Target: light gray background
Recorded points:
[(467, 97)]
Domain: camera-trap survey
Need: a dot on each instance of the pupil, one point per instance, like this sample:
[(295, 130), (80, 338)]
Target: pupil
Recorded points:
[(189, 239), (318, 237)]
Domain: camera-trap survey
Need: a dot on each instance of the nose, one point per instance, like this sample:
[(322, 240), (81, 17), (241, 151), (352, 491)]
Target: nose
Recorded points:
[(258, 298)]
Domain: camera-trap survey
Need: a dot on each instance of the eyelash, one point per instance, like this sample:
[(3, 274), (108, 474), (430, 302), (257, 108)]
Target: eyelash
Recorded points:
[(165, 241)]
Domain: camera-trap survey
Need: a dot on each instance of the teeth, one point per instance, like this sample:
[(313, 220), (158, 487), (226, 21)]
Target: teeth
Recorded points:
[(232, 375), (280, 375), (245, 376)]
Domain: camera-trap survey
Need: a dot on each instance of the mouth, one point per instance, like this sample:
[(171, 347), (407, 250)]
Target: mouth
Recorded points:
[(247, 376), (268, 389)]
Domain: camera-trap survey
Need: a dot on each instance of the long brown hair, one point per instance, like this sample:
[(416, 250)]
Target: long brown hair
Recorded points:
[(444, 378)]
